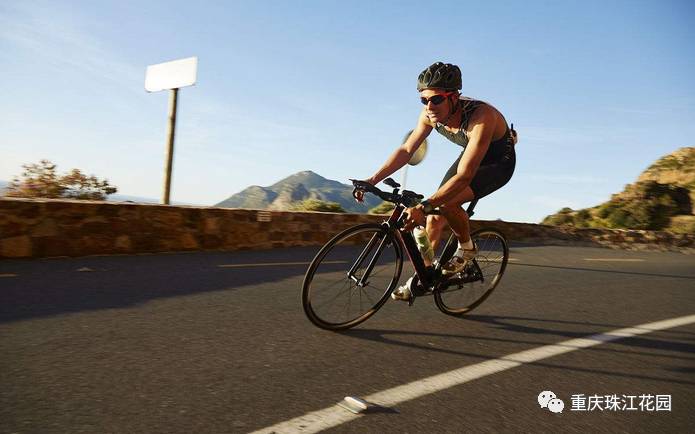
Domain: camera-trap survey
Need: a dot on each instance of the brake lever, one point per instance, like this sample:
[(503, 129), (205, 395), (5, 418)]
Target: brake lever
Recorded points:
[(359, 186), (354, 193)]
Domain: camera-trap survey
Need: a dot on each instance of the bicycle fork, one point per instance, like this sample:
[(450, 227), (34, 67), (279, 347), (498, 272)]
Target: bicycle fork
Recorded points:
[(362, 281)]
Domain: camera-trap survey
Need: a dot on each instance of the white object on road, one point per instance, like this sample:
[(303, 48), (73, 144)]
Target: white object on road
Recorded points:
[(354, 405)]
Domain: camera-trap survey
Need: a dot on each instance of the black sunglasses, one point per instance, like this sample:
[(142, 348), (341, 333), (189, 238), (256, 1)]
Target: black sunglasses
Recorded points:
[(435, 99)]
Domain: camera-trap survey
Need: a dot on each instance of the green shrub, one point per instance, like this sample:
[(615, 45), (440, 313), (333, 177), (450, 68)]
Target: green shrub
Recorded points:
[(318, 205), (382, 208), (558, 220)]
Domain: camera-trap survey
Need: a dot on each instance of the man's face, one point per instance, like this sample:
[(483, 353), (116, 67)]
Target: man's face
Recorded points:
[(436, 112)]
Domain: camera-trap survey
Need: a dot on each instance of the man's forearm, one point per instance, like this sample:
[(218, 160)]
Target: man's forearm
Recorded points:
[(397, 160)]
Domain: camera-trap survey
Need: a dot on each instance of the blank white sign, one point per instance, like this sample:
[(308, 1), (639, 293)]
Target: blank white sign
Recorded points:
[(171, 75)]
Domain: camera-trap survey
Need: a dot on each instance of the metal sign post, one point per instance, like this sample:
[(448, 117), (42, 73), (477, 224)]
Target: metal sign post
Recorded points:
[(171, 75), (171, 130)]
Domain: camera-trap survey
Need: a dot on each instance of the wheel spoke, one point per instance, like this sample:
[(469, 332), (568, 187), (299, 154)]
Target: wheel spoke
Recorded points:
[(335, 297)]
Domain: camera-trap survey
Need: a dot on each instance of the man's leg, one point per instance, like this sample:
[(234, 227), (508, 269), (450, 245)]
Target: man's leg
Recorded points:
[(460, 226), (457, 217), (436, 223), (435, 227)]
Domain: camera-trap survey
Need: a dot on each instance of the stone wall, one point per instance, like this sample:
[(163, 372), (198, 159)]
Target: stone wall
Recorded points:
[(45, 228)]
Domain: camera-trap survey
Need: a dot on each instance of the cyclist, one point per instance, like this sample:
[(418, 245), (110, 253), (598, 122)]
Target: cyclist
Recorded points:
[(486, 163)]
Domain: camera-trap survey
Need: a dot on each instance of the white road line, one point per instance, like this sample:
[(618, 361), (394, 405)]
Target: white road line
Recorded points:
[(613, 260), (497, 260), (272, 264), (333, 416)]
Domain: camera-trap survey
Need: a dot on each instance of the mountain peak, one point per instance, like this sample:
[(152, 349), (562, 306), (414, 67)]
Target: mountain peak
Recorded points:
[(309, 179), (296, 188)]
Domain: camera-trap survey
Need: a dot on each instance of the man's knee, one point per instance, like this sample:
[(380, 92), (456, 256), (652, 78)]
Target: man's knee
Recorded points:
[(435, 220), (454, 205), (451, 210)]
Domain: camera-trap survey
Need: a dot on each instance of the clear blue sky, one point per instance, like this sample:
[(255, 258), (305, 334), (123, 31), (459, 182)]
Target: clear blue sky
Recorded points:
[(597, 90)]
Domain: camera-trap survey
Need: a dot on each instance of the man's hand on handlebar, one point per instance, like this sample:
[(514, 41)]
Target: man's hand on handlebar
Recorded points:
[(358, 193), (416, 217)]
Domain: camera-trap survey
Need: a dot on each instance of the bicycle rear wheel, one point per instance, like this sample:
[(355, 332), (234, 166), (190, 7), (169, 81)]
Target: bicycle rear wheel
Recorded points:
[(331, 295), (466, 291)]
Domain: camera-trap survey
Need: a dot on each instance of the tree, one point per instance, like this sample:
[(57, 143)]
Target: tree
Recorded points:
[(41, 180), (319, 205), (382, 208)]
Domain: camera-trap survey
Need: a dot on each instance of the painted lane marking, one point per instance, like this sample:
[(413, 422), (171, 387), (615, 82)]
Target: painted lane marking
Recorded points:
[(613, 260), (335, 415), (8, 275), (272, 264)]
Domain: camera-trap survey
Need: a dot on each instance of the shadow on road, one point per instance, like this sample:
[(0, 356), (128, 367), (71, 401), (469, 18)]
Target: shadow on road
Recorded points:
[(633, 343), (53, 287), (56, 286)]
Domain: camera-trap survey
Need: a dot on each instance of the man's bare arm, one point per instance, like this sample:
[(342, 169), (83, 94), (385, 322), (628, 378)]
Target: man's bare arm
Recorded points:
[(402, 155)]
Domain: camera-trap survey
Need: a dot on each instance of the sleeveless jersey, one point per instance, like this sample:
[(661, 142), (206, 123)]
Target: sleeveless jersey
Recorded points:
[(498, 151)]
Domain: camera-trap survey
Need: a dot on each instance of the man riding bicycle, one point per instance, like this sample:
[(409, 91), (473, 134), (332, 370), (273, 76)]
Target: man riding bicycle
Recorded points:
[(486, 163)]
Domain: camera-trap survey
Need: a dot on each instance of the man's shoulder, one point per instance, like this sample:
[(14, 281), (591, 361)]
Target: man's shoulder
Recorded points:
[(474, 103), (483, 113)]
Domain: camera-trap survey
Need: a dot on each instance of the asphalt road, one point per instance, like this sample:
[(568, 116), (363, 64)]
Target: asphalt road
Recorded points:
[(175, 343)]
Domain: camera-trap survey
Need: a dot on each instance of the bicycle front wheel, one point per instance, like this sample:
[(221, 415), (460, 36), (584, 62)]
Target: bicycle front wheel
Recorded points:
[(351, 277), (470, 288)]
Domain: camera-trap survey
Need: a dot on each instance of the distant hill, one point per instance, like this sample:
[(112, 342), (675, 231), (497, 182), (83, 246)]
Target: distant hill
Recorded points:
[(127, 198), (296, 188), (115, 197), (662, 198)]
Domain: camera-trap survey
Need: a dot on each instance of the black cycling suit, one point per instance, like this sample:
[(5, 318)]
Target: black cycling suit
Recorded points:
[(497, 166)]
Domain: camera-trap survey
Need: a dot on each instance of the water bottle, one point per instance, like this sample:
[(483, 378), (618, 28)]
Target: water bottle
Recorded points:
[(423, 243)]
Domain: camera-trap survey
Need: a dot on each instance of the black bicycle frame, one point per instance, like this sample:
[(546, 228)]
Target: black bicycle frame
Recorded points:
[(406, 238), (362, 281), (425, 278), (390, 226)]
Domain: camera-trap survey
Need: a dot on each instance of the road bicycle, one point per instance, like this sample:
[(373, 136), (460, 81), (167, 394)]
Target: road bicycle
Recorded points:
[(355, 272)]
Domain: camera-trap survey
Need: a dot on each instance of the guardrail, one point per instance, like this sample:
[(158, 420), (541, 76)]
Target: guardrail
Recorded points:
[(33, 228)]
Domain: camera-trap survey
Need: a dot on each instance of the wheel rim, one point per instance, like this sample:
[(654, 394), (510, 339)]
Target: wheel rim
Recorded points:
[(331, 299), (491, 262)]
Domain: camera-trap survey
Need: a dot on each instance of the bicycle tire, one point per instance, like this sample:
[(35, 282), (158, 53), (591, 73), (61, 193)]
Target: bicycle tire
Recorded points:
[(493, 249), (324, 266)]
